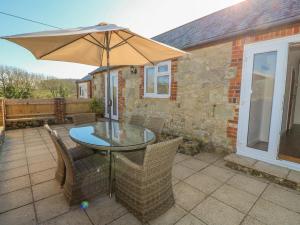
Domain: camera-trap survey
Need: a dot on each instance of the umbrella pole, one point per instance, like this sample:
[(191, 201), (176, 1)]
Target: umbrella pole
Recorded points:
[(109, 104), (109, 101)]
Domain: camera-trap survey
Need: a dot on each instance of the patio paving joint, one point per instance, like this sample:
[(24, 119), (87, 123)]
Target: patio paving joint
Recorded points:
[(34, 209)]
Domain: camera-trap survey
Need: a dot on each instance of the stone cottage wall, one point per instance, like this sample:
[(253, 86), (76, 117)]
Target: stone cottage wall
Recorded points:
[(200, 108), (98, 86)]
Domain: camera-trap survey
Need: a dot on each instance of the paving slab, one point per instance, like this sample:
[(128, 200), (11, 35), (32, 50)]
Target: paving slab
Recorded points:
[(36, 153), (194, 164), (189, 220), (12, 157), (273, 214), (40, 158), (15, 199), (42, 176), (248, 184), (175, 180), (20, 216), (220, 163), (203, 182), (235, 198), (36, 167), (181, 172), (252, 221), (209, 157), (46, 189), (51, 207), (218, 173), (214, 212), (14, 184), (170, 217), (104, 210), (127, 219), (74, 217), (282, 196), (13, 164), (186, 196), (13, 173)]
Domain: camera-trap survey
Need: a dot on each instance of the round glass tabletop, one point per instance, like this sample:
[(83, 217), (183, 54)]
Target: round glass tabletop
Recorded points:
[(121, 136)]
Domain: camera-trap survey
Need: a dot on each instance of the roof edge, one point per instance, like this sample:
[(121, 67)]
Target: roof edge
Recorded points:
[(262, 27)]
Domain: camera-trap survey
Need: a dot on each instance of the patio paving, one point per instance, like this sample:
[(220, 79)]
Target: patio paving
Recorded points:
[(206, 191)]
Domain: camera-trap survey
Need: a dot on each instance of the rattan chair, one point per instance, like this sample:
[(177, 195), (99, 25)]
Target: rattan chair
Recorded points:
[(83, 118), (146, 189), (137, 120), (77, 152), (156, 125), (85, 178)]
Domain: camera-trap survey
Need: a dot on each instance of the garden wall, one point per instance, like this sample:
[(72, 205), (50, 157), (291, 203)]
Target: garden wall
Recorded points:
[(17, 113)]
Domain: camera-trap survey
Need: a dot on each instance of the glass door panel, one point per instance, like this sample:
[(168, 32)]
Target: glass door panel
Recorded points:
[(261, 100), (113, 95)]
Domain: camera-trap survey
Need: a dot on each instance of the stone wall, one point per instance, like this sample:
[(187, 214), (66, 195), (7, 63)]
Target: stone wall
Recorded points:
[(99, 86), (201, 109)]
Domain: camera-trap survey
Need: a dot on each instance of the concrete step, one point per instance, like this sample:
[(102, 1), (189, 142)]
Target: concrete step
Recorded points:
[(277, 174)]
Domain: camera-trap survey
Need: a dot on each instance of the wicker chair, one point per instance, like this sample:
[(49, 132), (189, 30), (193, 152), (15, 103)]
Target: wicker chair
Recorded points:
[(77, 153), (156, 125), (137, 120), (146, 189), (85, 178), (83, 118)]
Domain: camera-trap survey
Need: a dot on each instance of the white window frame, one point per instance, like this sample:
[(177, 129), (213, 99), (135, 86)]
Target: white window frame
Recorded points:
[(157, 74), (83, 90)]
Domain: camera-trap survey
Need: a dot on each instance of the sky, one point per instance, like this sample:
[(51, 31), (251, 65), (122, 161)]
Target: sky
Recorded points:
[(145, 17)]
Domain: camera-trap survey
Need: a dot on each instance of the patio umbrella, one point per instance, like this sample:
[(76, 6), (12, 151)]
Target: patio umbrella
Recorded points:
[(101, 45)]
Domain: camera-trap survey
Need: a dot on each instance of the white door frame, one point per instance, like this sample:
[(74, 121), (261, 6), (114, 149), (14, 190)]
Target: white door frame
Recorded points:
[(113, 73), (281, 45)]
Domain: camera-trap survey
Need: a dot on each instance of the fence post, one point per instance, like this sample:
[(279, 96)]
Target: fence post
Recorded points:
[(60, 109), (2, 112)]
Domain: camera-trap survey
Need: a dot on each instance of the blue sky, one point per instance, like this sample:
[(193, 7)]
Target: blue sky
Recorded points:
[(146, 17)]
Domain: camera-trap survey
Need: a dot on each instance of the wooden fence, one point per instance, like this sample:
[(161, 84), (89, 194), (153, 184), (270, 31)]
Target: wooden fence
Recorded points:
[(15, 110)]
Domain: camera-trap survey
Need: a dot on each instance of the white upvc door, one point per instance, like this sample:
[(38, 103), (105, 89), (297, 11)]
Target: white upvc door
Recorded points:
[(262, 97), (113, 93)]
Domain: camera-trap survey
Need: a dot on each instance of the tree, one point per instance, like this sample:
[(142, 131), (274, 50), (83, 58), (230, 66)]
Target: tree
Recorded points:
[(58, 87), (17, 83)]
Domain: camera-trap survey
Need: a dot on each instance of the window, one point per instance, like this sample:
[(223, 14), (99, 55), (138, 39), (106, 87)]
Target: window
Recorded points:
[(157, 80), (83, 90)]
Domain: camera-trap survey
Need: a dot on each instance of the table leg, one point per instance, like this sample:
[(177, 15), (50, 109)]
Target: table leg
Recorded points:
[(110, 174)]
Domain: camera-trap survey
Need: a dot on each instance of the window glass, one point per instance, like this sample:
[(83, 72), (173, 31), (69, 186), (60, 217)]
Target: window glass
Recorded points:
[(150, 73), (263, 79), (163, 68), (163, 85)]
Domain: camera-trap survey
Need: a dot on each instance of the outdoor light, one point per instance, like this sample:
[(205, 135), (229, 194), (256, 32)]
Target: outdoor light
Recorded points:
[(133, 70)]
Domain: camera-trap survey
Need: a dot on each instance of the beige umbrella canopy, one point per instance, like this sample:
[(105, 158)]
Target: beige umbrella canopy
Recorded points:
[(90, 45)]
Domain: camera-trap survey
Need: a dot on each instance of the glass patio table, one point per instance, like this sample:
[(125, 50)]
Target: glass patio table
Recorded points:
[(112, 137)]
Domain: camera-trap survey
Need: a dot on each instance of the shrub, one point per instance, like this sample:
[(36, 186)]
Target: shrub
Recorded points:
[(97, 106)]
